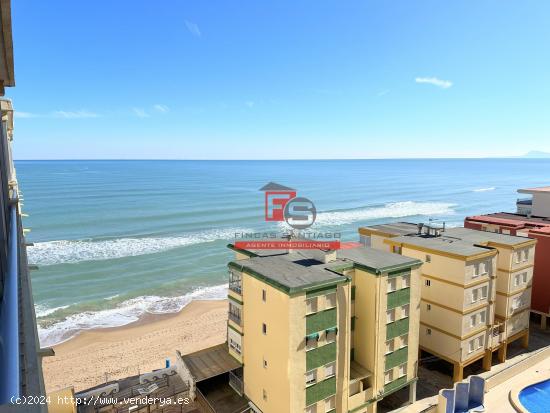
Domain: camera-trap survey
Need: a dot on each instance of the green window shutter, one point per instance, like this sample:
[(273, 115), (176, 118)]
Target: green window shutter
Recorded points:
[(397, 328), (399, 298), (320, 391), (320, 321), (397, 358), (395, 385), (320, 356)]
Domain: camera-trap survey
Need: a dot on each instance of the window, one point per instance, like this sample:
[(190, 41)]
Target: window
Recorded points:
[(473, 320), (517, 279), (311, 409), (330, 370), (311, 305), (235, 282), (475, 295), (484, 291), (402, 370), (265, 364), (428, 283), (516, 303), (396, 249), (517, 256), (330, 404), (389, 346), (428, 331), (428, 258), (405, 311), (390, 316), (264, 296), (264, 328), (482, 317), (234, 313), (330, 300), (311, 343), (311, 377), (234, 345), (428, 307), (404, 341), (392, 282), (480, 342), (264, 394), (388, 376), (406, 281), (330, 336), (476, 270), (471, 345), (524, 277), (525, 255)]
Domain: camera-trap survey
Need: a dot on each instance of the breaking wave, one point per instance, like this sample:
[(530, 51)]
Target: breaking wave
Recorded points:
[(64, 251), (390, 210), (492, 188), (125, 313)]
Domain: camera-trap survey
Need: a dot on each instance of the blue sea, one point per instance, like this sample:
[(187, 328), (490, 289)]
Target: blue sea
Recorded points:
[(117, 239)]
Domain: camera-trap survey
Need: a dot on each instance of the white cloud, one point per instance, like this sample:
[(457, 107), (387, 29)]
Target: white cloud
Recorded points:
[(249, 103), (140, 113), (193, 28), (19, 114), (444, 84), (79, 114), (161, 108)]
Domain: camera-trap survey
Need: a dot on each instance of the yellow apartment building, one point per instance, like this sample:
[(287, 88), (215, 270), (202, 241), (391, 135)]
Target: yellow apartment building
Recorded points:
[(475, 288), (323, 331)]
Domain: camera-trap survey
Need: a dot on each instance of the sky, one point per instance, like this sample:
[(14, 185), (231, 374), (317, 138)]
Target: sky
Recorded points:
[(200, 79)]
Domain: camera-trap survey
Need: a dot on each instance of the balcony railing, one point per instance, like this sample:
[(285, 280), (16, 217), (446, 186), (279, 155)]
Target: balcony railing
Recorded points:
[(9, 318), (236, 287), (235, 318), (236, 383)]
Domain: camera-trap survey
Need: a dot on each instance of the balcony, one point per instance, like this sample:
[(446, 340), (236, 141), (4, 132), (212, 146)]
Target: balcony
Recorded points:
[(524, 206), (236, 381), (235, 318), (360, 386), (236, 287)]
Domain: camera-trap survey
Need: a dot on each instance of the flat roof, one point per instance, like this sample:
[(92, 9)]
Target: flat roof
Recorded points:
[(394, 228), (512, 219), (210, 362), (534, 190), (292, 271), (481, 237), (444, 244), (376, 260)]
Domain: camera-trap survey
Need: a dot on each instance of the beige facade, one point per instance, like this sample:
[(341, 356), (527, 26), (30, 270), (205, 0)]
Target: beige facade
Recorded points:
[(475, 290), (318, 338)]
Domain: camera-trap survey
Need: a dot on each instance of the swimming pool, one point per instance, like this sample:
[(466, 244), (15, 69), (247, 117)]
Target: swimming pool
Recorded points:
[(536, 397)]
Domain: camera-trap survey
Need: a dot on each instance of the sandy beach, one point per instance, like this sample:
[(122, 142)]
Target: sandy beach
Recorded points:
[(96, 356)]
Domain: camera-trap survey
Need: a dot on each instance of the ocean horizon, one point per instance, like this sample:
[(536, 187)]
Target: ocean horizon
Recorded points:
[(115, 239)]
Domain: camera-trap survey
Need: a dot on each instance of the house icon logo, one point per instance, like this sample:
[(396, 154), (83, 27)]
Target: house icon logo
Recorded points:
[(282, 204)]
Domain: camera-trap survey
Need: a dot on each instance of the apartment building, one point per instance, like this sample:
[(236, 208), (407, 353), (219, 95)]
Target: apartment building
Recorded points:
[(475, 288), (323, 331), (20, 353), (532, 219)]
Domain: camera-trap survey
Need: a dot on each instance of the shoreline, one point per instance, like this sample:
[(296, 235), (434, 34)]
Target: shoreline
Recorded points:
[(98, 355)]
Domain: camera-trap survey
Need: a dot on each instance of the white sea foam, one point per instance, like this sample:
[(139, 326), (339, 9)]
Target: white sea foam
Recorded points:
[(125, 313), (492, 188), (63, 251), (390, 210), (43, 311)]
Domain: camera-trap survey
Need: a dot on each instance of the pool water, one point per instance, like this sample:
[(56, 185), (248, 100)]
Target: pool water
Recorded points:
[(536, 398)]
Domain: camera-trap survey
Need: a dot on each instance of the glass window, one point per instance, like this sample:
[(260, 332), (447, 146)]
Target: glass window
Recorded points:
[(330, 404), (311, 343), (330, 336), (404, 340), (473, 320), (330, 300), (482, 317), (480, 342), (471, 345), (264, 295), (516, 280), (388, 376), (311, 305), (526, 255), (405, 311), (330, 369), (264, 328), (428, 283), (389, 346), (406, 281), (524, 277), (484, 291), (402, 370), (475, 295), (311, 377), (392, 282), (390, 316), (476, 270)]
